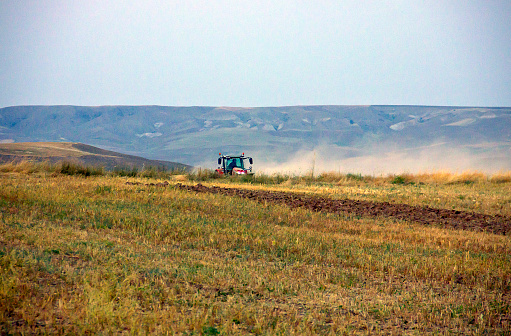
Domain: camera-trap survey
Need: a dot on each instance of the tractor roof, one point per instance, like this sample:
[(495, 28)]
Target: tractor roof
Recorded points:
[(235, 156)]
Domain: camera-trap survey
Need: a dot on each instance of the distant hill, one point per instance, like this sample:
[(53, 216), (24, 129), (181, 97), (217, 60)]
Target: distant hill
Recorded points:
[(355, 138), (79, 153)]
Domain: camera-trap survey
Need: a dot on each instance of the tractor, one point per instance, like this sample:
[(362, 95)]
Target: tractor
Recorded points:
[(234, 165)]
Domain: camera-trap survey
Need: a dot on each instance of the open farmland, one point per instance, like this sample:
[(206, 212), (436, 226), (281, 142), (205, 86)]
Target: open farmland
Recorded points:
[(99, 255)]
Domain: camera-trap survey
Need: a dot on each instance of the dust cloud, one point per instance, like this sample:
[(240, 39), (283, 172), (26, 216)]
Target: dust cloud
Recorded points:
[(381, 160)]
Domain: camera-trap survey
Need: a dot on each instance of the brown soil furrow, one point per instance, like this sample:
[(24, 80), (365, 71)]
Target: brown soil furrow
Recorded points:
[(424, 215)]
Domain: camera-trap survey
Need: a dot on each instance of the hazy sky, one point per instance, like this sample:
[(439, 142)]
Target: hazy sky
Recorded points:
[(255, 53)]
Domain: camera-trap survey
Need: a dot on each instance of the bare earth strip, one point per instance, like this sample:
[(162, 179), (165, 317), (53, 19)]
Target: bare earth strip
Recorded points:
[(444, 218)]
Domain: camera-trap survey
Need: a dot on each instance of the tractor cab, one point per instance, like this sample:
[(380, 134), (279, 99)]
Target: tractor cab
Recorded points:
[(234, 165)]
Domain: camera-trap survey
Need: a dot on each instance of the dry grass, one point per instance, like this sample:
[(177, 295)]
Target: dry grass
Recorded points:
[(501, 177), (82, 255), (26, 167), (180, 178), (438, 177), (444, 177)]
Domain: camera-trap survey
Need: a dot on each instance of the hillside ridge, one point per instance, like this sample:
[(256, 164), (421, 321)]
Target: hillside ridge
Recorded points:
[(84, 154)]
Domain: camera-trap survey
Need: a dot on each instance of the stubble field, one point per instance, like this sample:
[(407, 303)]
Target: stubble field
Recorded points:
[(94, 254)]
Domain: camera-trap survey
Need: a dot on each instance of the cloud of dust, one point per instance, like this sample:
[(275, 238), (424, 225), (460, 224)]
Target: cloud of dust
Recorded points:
[(385, 159)]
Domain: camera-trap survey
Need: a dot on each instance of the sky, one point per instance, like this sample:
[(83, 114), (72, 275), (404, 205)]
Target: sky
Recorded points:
[(255, 53)]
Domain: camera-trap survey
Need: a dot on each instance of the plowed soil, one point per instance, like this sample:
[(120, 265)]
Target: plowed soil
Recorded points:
[(444, 218)]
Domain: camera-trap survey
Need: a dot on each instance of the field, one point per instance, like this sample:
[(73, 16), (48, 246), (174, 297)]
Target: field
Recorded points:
[(96, 254)]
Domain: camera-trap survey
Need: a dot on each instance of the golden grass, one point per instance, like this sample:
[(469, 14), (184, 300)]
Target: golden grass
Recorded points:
[(436, 177), (26, 167), (180, 178), (94, 255), (444, 177), (501, 177)]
